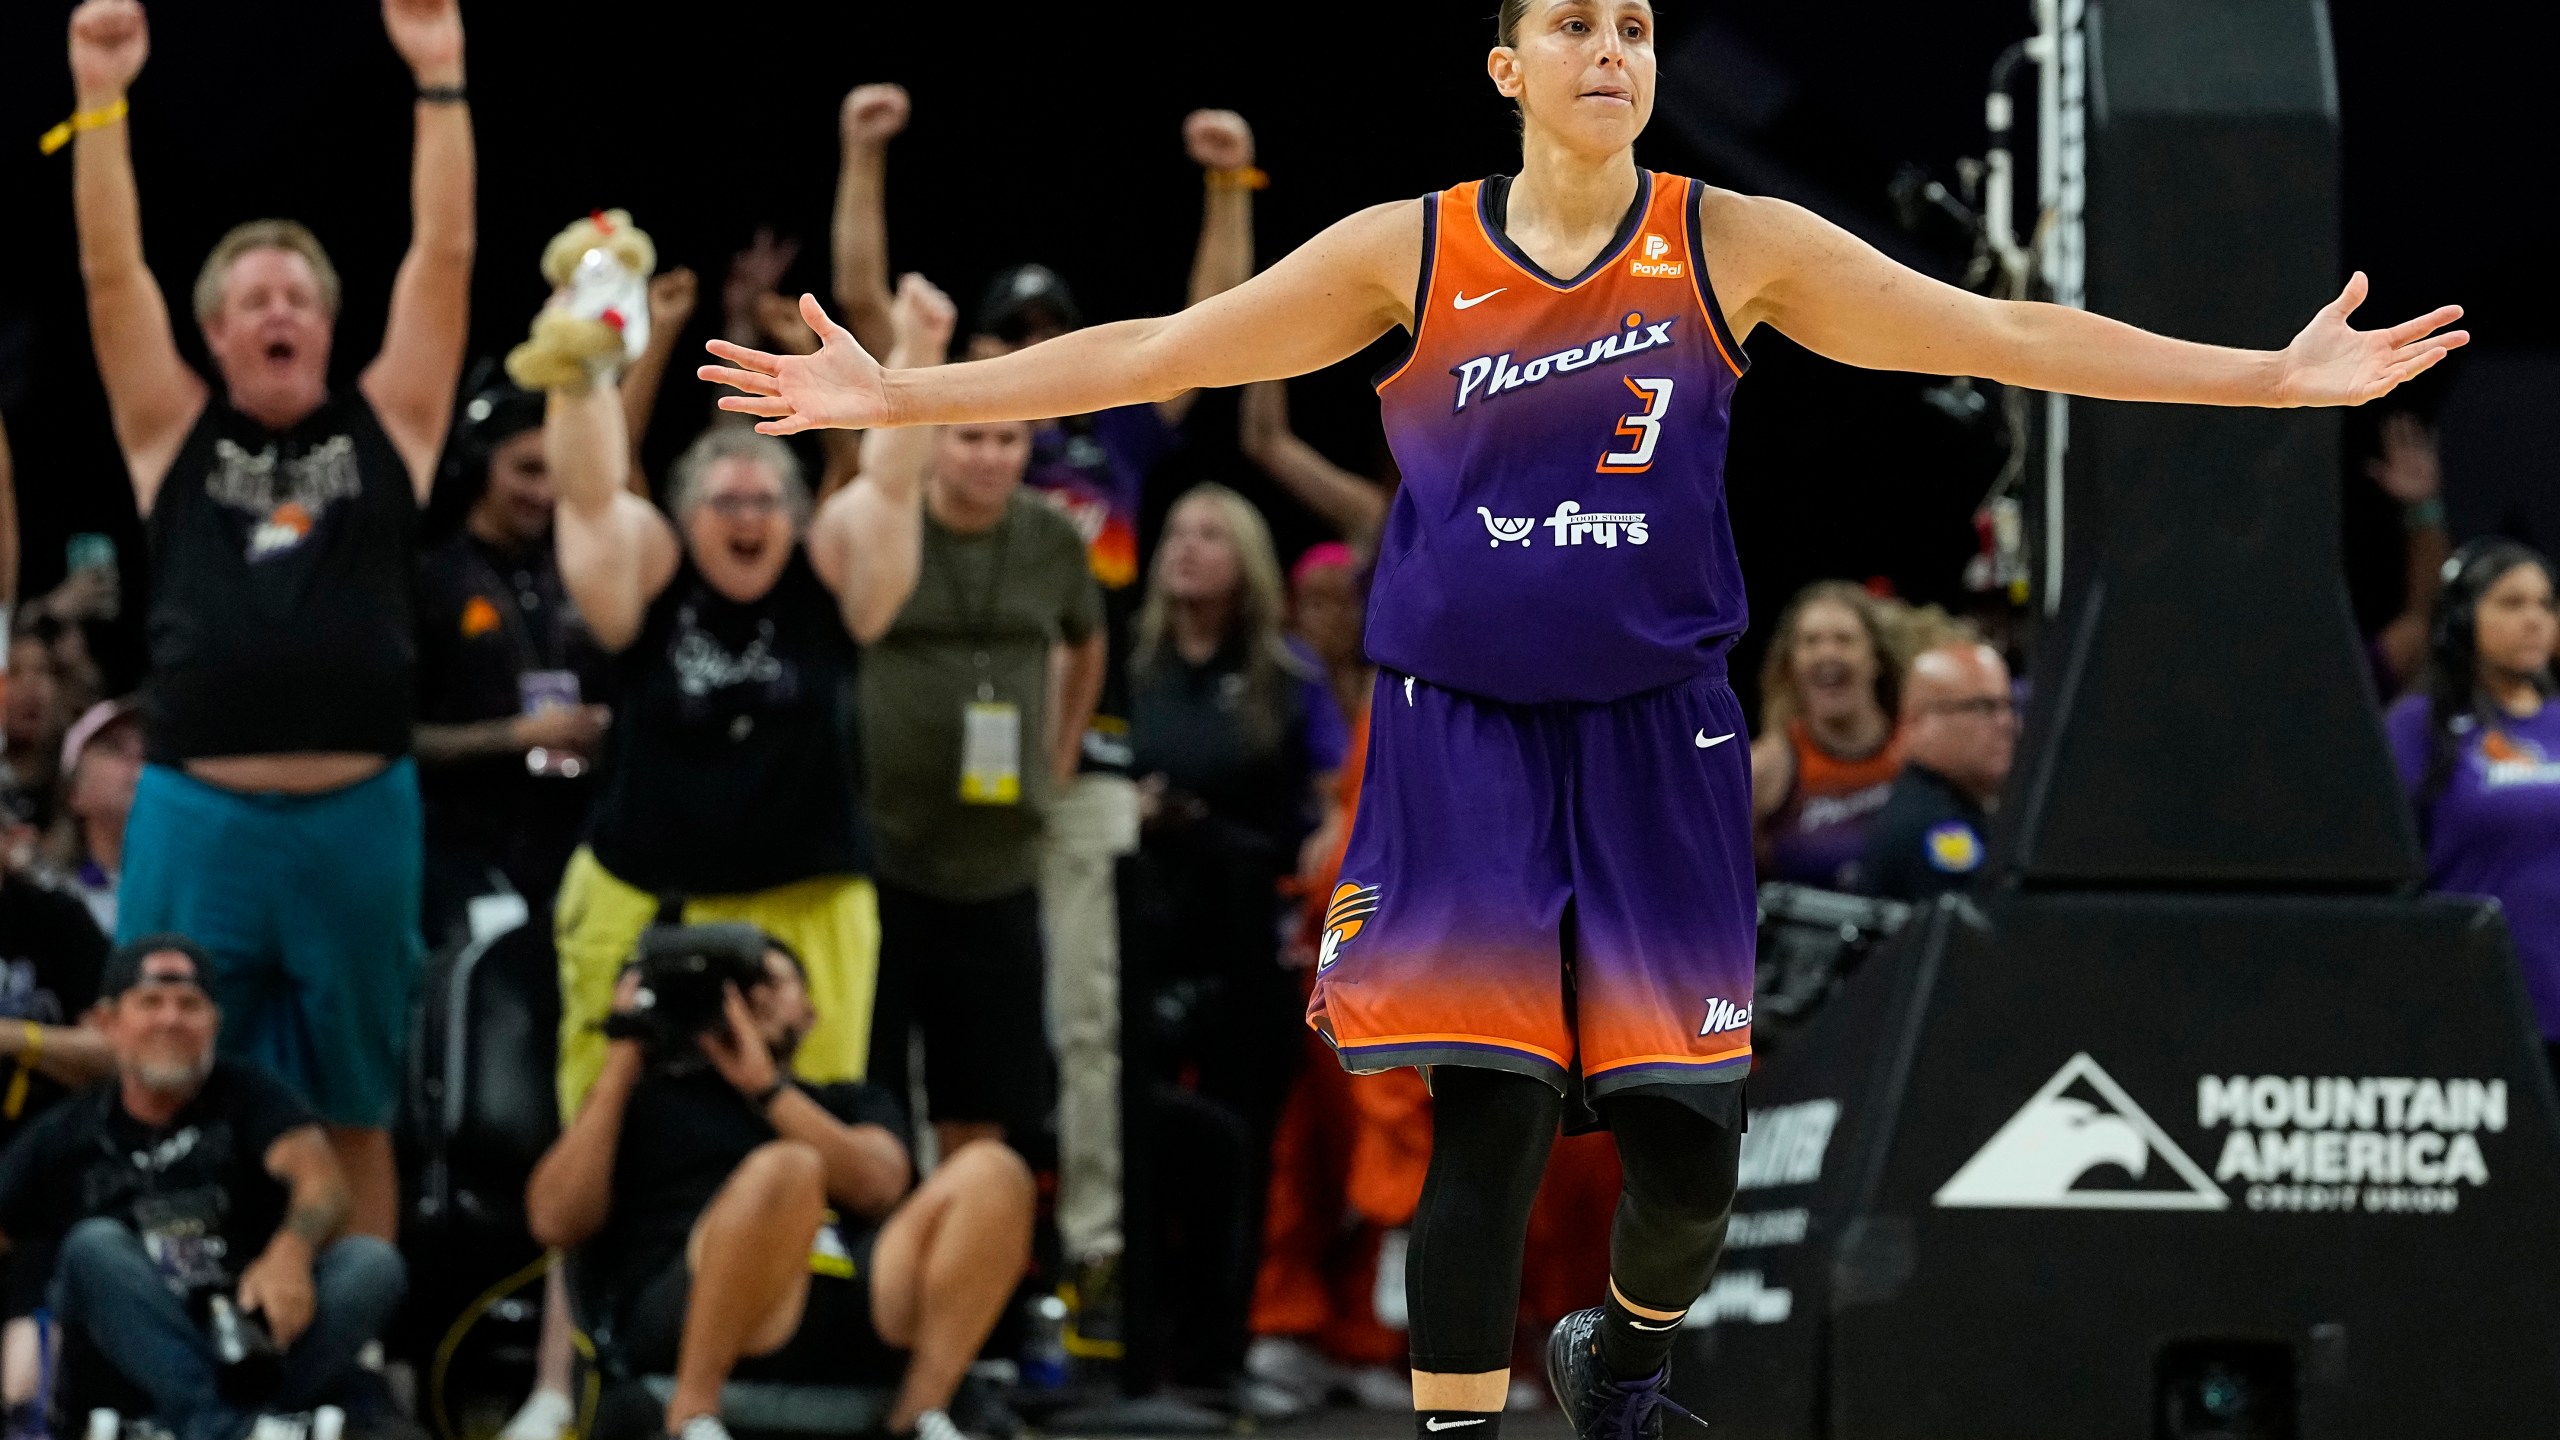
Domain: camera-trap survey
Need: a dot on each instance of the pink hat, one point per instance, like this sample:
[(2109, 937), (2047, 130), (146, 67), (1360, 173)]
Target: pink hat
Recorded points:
[(85, 729), (1323, 555)]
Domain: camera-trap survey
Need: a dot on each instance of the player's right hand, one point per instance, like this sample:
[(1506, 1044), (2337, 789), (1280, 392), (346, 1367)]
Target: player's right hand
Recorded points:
[(874, 114), (840, 387), (109, 41)]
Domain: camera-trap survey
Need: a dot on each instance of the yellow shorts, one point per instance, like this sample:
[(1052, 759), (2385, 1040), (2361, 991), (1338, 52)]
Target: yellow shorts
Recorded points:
[(832, 923)]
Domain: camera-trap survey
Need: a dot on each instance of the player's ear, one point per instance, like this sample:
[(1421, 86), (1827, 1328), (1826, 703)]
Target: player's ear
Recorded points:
[(1503, 64)]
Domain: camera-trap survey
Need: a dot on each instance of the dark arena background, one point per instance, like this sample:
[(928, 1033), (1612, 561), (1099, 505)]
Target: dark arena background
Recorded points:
[(2187, 937)]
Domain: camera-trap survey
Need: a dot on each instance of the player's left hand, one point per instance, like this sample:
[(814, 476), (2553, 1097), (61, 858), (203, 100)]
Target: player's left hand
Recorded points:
[(428, 34), (2333, 363), (1217, 139)]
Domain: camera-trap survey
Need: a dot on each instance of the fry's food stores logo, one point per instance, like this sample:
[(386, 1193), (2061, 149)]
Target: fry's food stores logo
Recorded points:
[(2290, 1143)]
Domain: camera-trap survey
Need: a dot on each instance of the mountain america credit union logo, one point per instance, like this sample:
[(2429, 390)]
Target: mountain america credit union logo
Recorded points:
[(2378, 1144)]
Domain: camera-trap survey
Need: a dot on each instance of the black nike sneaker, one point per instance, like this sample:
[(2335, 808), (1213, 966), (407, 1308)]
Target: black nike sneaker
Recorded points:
[(1599, 1407)]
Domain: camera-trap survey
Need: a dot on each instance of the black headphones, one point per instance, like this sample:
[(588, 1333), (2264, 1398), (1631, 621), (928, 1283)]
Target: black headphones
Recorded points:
[(2453, 642), (497, 411)]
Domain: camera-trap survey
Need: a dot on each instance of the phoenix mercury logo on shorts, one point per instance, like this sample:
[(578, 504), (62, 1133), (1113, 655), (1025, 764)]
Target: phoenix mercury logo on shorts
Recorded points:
[(1344, 917), (1724, 1015), (1495, 374)]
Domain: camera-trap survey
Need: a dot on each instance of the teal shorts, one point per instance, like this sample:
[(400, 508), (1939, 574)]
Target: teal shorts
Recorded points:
[(309, 906)]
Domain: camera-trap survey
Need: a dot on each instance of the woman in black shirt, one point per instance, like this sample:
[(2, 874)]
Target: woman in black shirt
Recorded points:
[(1228, 781), (729, 788)]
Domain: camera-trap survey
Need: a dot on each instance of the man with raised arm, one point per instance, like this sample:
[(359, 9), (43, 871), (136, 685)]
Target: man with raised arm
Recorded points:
[(277, 821), (1091, 469)]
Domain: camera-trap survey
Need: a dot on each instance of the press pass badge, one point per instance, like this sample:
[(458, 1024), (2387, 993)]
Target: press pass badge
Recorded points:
[(991, 753), (541, 690)]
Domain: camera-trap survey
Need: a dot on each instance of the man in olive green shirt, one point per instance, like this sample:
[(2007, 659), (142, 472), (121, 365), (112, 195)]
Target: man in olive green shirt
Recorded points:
[(974, 706)]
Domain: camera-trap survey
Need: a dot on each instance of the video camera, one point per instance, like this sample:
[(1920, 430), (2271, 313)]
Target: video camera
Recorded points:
[(684, 970)]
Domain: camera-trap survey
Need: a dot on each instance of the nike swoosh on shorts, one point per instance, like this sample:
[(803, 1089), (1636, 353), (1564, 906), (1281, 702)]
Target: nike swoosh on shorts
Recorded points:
[(1706, 744)]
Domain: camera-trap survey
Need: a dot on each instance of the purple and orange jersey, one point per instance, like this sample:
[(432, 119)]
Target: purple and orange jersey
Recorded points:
[(1561, 531), (1551, 871)]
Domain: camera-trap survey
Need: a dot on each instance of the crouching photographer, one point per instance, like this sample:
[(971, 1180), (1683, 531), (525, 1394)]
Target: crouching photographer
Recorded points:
[(194, 1213), (757, 1227)]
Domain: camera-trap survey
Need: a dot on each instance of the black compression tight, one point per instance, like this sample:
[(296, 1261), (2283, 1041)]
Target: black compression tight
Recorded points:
[(1491, 1132), (1679, 1194)]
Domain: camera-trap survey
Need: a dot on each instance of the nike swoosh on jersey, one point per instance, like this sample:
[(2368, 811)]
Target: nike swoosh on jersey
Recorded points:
[(1435, 1427), (1464, 301), (1705, 743), (1666, 1325)]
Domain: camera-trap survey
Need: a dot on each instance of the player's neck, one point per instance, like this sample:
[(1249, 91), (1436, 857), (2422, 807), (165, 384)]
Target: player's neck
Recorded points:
[(1563, 195)]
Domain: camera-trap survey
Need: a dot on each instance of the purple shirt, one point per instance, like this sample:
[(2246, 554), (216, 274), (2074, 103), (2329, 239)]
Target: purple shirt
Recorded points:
[(1560, 534), (2496, 830)]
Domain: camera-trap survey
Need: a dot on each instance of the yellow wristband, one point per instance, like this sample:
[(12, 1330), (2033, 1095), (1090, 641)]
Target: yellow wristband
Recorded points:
[(98, 119), (1243, 177)]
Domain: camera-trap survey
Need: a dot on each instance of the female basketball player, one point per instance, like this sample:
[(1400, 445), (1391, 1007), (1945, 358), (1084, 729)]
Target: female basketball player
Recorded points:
[(1549, 889)]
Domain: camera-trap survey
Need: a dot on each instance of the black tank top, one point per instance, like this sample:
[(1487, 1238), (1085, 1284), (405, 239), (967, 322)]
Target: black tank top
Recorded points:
[(281, 604), (733, 767)]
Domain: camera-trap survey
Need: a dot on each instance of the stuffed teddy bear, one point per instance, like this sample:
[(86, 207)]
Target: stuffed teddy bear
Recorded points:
[(597, 319)]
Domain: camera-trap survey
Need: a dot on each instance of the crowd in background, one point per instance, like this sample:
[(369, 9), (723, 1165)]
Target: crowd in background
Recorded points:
[(933, 713)]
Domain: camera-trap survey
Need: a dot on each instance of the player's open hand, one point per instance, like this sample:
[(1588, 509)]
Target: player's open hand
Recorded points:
[(840, 387), (2333, 363), (109, 41)]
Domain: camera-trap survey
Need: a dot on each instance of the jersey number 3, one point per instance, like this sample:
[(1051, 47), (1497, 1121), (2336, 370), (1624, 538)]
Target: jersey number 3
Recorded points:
[(1644, 427)]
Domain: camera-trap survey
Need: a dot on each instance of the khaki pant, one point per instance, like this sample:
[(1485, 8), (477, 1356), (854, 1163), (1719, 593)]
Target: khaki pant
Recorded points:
[(1091, 825), (832, 923)]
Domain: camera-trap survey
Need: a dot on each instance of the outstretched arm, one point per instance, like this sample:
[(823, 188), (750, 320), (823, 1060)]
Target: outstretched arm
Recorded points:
[(616, 551), (867, 540), (872, 117), (1352, 504), (152, 395), (411, 383), (1221, 144), (671, 297), (1341, 290), (1782, 265)]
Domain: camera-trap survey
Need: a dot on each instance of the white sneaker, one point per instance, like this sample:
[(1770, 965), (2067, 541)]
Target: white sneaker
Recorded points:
[(1295, 1366), (1382, 1387), (702, 1427), (931, 1425), (545, 1415)]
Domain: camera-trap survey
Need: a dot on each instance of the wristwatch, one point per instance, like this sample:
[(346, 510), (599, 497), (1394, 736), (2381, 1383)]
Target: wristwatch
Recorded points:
[(764, 1098)]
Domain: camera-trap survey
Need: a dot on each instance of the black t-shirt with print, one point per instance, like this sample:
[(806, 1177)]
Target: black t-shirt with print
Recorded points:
[(682, 1136), (281, 589), (50, 955), (197, 1190), (734, 766)]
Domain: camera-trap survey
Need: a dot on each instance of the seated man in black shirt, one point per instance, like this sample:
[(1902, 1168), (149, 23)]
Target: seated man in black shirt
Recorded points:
[(190, 1179), (1959, 729), (757, 1227)]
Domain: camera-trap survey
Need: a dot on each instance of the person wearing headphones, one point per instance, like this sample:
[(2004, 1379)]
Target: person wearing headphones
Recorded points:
[(2477, 743)]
